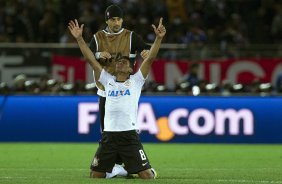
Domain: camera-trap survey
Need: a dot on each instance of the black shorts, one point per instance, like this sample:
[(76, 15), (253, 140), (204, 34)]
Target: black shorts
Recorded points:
[(125, 144), (102, 102)]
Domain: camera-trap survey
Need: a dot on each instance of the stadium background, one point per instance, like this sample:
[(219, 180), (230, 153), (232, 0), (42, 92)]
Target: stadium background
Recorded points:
[(218, 79)]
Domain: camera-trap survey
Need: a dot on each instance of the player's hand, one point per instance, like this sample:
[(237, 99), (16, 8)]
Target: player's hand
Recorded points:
[(160, 30), (75, 30), (145, 54), (105, 55)]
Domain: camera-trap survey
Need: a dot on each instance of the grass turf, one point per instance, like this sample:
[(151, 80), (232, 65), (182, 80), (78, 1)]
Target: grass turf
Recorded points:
[(60, 163)]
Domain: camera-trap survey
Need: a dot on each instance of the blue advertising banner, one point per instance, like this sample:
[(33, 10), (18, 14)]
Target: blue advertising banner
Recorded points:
[(160, 118)]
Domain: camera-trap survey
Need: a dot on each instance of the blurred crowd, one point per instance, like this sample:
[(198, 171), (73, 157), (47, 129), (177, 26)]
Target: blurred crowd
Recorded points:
[(230, 24), (45, 86), (192, 22), (190, 85)]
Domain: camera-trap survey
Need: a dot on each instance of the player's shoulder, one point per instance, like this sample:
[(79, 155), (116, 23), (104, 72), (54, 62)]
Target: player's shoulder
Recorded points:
[(134, 34), (137, 74), (107, 74), (100, 32), (126, 31)]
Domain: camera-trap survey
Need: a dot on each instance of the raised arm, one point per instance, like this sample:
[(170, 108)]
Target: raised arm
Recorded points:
[(146, 64), (76, 32)]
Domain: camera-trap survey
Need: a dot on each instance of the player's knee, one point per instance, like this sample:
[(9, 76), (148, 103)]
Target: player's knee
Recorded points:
[(147, 174), (94, 174)]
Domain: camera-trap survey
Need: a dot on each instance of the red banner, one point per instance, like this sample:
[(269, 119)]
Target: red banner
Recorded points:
[(170, 72), (235, 70), (68, 69), (243, 70)]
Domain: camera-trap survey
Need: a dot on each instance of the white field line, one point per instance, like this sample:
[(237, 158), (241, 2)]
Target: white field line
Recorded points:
[(224, 169), (175, 169), (248, 181), (44, 169), (170, 169), (217, 180), (22, 177)]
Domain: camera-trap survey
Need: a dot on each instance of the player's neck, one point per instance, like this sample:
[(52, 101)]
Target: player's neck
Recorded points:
[(111, 31), (121, 77)]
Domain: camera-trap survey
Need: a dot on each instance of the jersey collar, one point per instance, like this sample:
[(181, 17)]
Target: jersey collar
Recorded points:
[(108, 33)]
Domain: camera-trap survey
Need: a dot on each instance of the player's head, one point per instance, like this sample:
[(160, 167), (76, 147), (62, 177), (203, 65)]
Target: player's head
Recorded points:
[(114, 18), (123, 65)]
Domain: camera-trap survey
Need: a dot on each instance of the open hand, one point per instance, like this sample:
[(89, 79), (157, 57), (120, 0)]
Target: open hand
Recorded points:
[(160, 30), (75, 30)]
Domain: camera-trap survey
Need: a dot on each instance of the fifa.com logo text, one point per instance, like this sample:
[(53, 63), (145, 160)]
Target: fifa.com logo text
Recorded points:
[(199, 121)]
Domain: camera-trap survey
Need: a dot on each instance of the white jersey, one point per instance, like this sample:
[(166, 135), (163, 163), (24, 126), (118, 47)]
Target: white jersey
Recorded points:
[(121, 101), (100, 92)]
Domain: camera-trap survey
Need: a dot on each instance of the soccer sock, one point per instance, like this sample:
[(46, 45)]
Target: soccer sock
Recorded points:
[(118, 170), (110, 175), (154, 172), (113, 173)]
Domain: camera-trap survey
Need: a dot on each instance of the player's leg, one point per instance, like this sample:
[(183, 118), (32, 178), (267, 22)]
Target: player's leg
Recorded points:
[(104, 159), (148, 174), (102, 102), (119, 160), (133, 155), (95, 174), (117, 169)]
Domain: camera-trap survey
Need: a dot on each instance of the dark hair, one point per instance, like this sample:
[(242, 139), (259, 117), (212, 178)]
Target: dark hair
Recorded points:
[(113, 11), (131, 60)]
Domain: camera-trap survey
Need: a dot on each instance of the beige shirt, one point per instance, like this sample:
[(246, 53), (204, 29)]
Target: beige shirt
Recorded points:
[(114, 43)]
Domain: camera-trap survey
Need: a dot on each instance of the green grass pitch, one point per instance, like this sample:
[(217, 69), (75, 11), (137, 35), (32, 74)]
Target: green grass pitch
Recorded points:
[(60, 163)]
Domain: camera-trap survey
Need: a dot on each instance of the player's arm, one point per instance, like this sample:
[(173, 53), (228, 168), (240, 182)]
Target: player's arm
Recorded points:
[(98, 55), (76, 32), (146, 64)]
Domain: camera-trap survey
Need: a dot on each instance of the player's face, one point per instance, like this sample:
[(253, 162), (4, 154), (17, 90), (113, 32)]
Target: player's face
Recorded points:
[(114, 24), (123, 66)]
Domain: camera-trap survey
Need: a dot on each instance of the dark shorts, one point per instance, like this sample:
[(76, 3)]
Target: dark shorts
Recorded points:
[(102, 102), (127, 145)]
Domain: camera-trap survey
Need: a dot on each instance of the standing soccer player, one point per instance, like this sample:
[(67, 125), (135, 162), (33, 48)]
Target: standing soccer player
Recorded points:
[(123, 92), (107, 44)]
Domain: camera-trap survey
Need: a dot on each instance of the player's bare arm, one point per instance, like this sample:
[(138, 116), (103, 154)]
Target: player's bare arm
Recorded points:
[(160, 31), (76, 32)]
